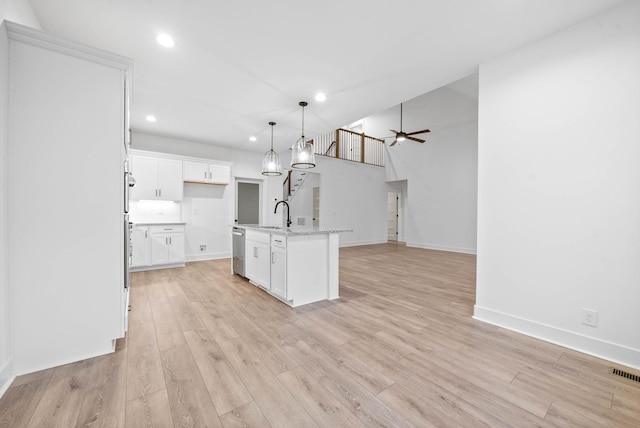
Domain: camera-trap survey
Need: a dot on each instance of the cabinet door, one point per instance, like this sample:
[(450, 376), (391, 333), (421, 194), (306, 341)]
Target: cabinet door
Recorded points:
[(219, 174), (159, 252), (176, 248), (170, 179), (145, 171), (140, 242), (196, 171), (251, 260), (264, 265), (279, 271)]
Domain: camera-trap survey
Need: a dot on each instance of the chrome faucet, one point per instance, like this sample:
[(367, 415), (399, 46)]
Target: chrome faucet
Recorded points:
[(288, 216)]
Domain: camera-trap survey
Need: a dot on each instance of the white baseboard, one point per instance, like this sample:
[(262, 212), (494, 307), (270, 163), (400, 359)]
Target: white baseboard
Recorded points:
[(6, 376), (208, 256), (613, 352), (442, 248), (358, 243)]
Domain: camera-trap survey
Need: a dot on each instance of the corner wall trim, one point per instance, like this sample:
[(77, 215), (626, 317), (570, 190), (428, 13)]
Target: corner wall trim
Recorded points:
[(613, 352), (6, 376)]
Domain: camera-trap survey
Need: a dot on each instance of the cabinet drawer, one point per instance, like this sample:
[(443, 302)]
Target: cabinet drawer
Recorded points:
[(252, 235), (167, 229), (279, 241)]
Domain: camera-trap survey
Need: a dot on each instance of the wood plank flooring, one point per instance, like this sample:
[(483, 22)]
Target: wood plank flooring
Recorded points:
[(398, 349)]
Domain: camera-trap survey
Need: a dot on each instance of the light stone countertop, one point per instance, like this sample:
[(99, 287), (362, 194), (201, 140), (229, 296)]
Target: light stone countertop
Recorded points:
[(291, 231), (160, 224)]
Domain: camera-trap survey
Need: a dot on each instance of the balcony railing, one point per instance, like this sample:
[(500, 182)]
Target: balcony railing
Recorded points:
[(350, 145)]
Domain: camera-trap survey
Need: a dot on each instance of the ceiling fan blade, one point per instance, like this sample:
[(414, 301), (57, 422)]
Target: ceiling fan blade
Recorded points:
[(424, 131), (415, 139), (394, 143), (394, 131)]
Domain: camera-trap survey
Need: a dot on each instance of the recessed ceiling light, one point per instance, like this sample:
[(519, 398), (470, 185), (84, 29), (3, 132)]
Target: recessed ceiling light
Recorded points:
[(253, 139), (320, 97), (151, 118), (165, 40)]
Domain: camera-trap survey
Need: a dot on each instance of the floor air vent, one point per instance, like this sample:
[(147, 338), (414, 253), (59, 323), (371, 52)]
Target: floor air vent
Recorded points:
[(624, 374)]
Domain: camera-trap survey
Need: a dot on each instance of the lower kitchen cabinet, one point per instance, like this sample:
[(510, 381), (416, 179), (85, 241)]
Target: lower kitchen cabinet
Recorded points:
[(279, 266), (158, 246), (140, 251), (257, 258)]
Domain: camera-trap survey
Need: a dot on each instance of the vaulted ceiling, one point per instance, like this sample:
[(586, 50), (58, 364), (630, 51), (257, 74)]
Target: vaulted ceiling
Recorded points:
[(236, 65)]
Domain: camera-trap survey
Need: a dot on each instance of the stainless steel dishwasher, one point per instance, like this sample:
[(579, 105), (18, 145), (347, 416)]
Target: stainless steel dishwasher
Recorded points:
[(238, 250)]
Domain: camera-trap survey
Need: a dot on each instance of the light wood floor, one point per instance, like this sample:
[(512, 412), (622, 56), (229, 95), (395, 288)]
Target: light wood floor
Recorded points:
[(398, 349)]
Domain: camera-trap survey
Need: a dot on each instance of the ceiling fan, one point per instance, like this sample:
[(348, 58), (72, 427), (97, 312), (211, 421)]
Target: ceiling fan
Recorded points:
[(401, 136)]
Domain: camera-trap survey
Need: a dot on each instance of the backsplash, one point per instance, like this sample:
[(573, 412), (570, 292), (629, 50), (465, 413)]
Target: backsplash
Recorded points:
[(154, 212)]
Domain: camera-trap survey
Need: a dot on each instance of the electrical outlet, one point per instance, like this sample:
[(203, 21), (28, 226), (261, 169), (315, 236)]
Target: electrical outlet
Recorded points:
[(203, 247), (589, 317)]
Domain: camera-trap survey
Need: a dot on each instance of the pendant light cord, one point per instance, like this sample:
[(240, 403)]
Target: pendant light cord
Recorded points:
[(303, 123), (302, 104)]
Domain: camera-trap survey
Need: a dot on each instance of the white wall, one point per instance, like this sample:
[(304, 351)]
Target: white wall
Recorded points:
[(353, 196), (559, 187), (440, 201), (6, 342), (20, 12)]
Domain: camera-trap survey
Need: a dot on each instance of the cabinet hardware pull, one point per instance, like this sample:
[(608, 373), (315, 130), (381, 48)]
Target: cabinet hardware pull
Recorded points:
[(210, 176), (255, 251), (272, 262), (145, 234), (159, 192), (205, 175), (170, 241)]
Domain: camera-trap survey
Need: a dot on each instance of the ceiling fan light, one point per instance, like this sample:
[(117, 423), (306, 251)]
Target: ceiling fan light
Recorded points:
[(400, 137)]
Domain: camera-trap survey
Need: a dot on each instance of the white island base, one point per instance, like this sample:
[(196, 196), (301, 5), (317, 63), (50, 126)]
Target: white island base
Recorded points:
[(297, 266)]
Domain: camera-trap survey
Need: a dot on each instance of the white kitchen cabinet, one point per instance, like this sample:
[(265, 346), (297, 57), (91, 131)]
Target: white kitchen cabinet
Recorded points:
[(258, 258), (141, 250), (202, 172), (156, 178), (279, 266), (167, 245), (65, 116)]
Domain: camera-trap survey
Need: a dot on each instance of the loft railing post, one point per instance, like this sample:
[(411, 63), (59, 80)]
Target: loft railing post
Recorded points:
[(337, 144), (362, 148)]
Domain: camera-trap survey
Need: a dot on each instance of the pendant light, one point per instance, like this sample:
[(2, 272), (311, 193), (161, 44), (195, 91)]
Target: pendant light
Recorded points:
[(271, 161), (302, 151)]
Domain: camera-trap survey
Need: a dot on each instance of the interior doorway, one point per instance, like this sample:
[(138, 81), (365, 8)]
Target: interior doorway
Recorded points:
[(247, 202), (392, 217)]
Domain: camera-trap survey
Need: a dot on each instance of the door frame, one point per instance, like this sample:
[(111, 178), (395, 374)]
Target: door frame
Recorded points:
[(260, 197)]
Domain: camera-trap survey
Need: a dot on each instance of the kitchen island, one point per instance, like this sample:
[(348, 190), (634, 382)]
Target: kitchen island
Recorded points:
[(298, 265)]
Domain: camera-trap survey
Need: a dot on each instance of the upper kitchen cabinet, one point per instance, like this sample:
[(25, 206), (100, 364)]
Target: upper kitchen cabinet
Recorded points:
[(210, 173), (158, 179), (66, 111)]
